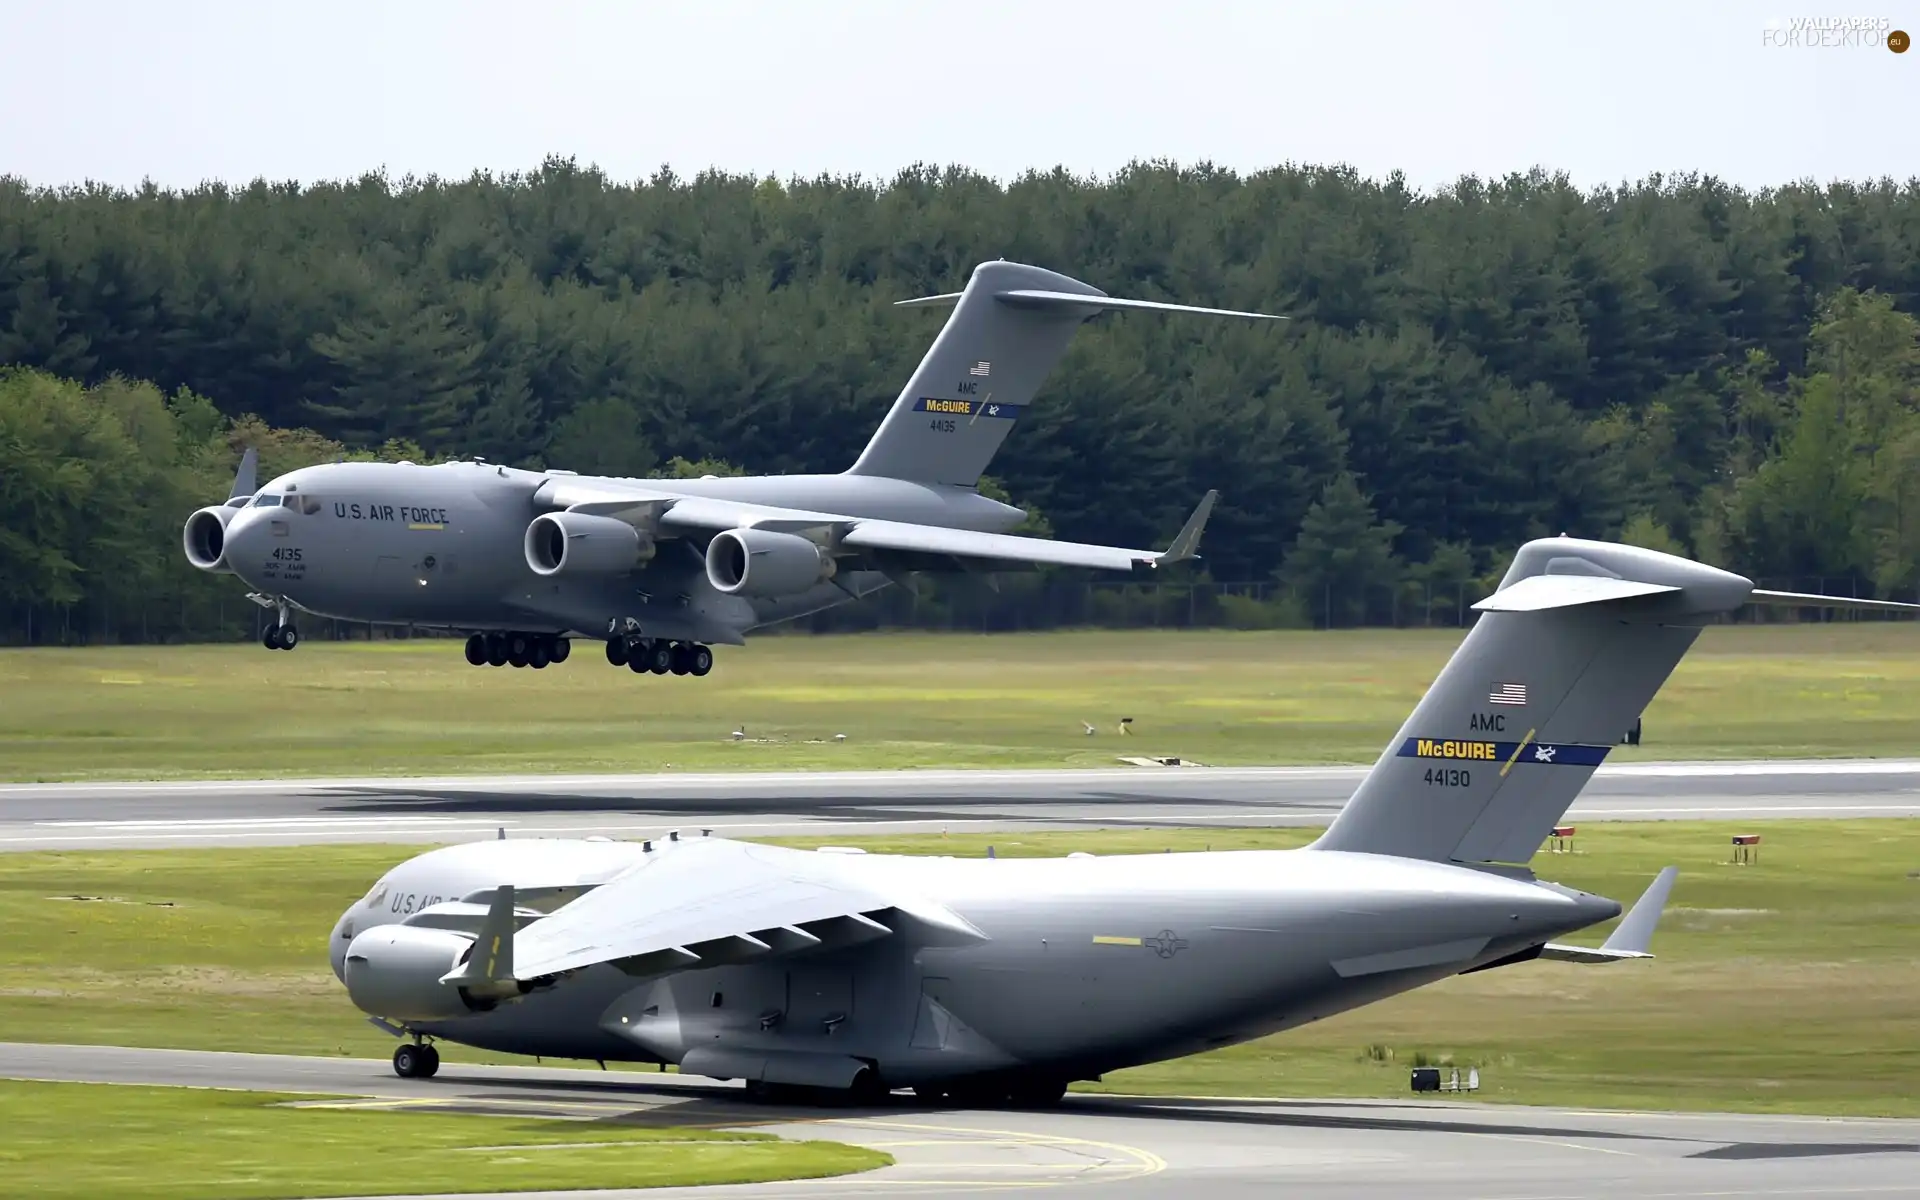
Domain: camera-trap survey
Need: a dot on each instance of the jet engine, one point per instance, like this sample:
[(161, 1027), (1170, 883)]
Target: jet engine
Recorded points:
[(759, 562), (205, 538), (570, 543), (394, 971)]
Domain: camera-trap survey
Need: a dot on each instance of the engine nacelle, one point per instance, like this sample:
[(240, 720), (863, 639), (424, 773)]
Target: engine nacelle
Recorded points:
[(759, 562), (205, 538), (394, 971), (570, 543)]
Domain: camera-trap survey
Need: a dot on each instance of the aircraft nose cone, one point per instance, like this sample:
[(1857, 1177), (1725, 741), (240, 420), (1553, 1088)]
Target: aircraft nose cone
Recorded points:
[(247, 538)]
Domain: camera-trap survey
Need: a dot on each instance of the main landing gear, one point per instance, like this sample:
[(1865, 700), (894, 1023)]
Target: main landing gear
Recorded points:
[(416, 1060), (659, 656), (534, 650)]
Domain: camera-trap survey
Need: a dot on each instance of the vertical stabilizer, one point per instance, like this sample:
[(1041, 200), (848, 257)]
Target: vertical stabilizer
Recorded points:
[(1564, 658), (1009, 328)]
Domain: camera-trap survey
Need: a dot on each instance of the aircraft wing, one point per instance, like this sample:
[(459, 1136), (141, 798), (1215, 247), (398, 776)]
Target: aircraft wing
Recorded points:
[(671, 514), (712, 901)]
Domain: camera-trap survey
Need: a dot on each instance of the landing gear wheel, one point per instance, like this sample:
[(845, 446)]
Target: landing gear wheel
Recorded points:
[(289, 637), (558, 648), (271, 638), (660, 658), (617, 652), (537, 655), (700, 661), (477, 650), (867, 1087), (496, 650), (680, 659), (412, 1061), (1037, 1093)]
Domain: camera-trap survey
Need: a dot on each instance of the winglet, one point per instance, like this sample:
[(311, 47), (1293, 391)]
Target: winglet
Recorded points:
[(1186, 543), (244, 480), (491, 961), (1633, 935)]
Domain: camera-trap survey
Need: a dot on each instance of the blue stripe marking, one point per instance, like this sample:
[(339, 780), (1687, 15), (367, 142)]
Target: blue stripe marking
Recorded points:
[(967, 409), (1551, 754)]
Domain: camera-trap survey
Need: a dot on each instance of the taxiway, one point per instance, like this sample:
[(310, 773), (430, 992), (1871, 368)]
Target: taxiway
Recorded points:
[(108, 815), (1132, 1147)]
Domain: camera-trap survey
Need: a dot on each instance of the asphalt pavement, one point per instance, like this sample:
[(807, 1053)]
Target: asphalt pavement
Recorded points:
[(245, 812), (1131, 1148)]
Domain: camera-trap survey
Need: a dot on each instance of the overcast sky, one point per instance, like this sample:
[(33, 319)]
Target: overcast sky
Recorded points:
[(197, 89)]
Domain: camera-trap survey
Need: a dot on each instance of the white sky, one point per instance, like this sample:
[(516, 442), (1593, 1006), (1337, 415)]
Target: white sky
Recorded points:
[(192, 90)]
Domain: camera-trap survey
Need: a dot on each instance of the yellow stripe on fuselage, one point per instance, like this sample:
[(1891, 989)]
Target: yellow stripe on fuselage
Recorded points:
[(1116, 941)]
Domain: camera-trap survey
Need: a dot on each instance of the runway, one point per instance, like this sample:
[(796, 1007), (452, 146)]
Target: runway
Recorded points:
[(100, 815), (1125, 1147)]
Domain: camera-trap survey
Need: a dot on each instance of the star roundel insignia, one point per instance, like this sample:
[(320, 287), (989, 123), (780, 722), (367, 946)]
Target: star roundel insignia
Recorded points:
[(1166, 945)]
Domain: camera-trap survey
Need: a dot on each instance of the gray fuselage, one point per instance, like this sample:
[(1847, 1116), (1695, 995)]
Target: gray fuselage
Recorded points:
[(442, 547), (1088, 965)]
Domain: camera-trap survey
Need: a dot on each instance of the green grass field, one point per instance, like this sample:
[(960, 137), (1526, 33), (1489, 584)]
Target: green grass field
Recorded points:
[(903, 700), (1790, 985), (87, 1140)]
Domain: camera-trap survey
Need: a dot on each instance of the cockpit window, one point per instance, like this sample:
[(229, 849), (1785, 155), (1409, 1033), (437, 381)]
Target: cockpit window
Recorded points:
[(378, 894), (263, 500)]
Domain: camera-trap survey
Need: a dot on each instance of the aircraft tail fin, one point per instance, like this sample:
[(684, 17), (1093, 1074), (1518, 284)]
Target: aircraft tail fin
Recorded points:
[(489, 965), (1566, 656), (1009, 328)]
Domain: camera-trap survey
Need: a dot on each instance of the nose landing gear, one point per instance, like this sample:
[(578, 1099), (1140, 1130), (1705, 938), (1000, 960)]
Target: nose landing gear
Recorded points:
[(416, 1060), (281, 635)]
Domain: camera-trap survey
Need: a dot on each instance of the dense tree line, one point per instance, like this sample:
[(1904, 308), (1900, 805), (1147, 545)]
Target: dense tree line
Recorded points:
[(1688, 364)]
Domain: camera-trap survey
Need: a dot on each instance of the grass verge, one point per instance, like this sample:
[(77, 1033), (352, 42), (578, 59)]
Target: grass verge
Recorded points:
[(1784, 986), (903, 700), (85, 1140)]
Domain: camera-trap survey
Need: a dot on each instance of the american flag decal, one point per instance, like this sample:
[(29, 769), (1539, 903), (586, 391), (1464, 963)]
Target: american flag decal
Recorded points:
[(981, 368), (1508, 693)]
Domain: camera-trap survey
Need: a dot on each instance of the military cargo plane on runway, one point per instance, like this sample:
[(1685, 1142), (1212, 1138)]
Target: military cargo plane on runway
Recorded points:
[(987, 980), (661, 568)]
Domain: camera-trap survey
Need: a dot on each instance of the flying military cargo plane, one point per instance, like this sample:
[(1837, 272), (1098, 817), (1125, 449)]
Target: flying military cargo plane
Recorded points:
[(993, 980), (660, 569)]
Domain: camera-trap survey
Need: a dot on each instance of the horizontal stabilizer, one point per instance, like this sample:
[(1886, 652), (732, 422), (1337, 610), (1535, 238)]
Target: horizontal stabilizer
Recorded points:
[(1808, 600), (1559, 952), (1634, 934), (1537, 593), (1075, 302), (944, 300), (1081, 303)]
